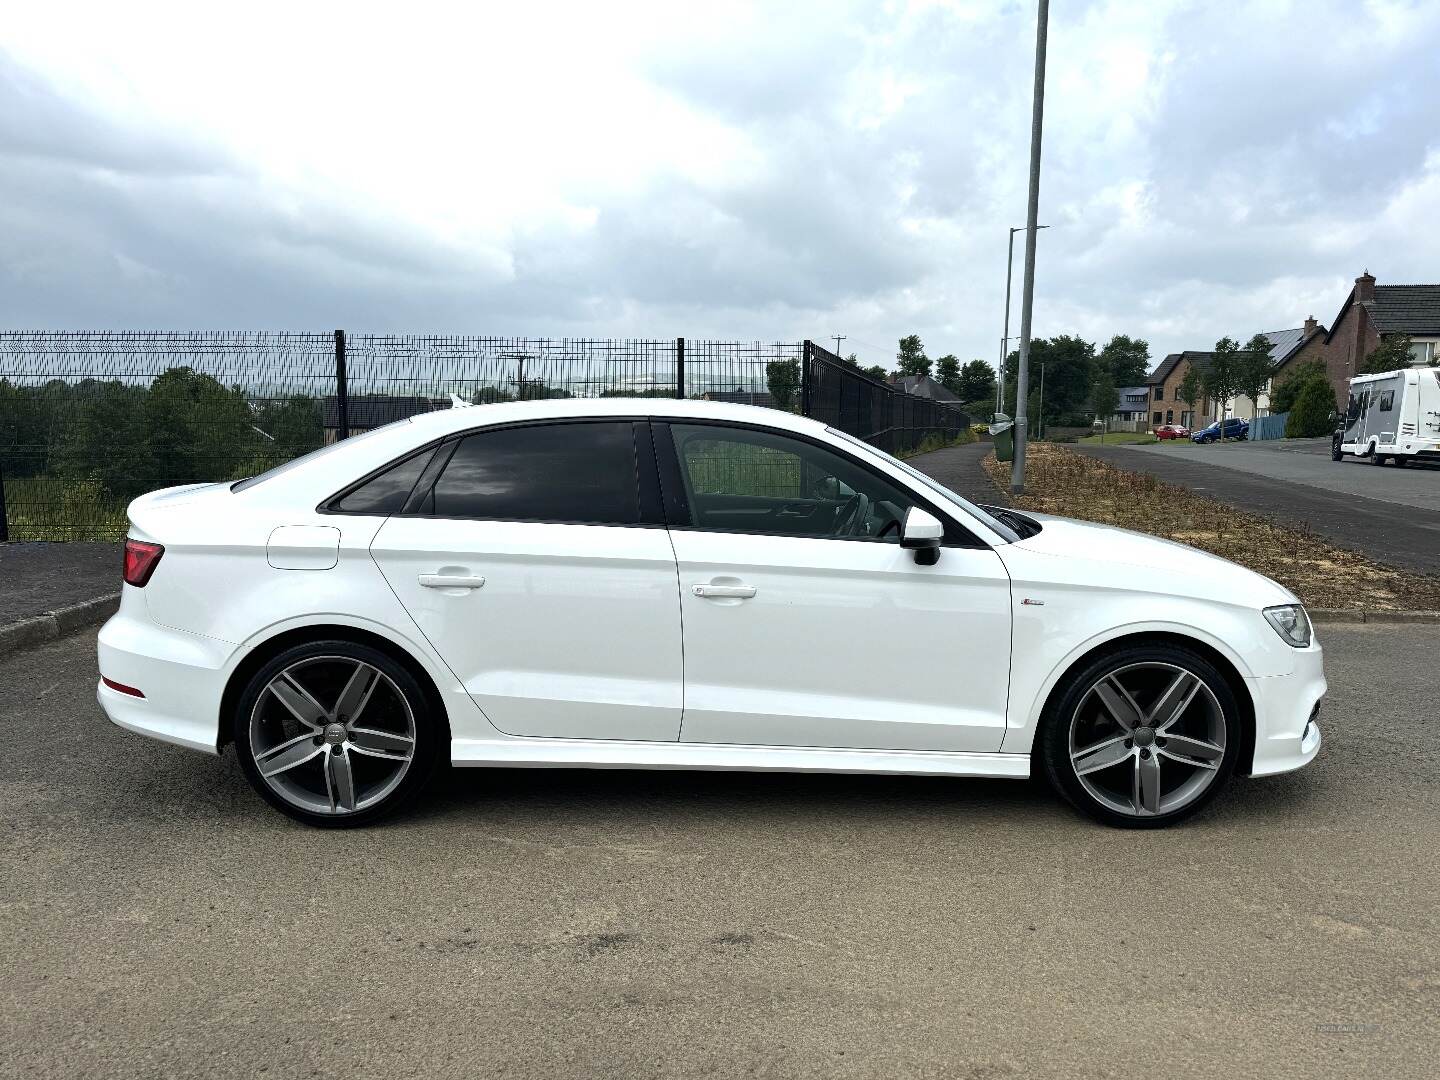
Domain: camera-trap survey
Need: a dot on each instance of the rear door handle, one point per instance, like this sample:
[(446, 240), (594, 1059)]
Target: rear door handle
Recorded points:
[(718, 592), (451, 581)]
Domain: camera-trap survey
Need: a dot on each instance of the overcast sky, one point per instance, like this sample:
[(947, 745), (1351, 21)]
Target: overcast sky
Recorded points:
[(773, 170)]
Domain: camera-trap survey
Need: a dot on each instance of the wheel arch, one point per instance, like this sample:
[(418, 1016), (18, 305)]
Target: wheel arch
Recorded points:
[(273, 646), (1222, 663)]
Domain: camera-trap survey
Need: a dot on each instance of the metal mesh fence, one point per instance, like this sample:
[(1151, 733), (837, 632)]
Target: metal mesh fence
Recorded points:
[(859, 404), (90, 420)]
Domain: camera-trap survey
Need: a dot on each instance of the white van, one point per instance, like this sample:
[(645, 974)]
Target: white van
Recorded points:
[(1393, 415)]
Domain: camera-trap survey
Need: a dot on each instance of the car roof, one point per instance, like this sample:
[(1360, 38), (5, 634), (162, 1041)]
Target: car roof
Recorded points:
[(445, 421)]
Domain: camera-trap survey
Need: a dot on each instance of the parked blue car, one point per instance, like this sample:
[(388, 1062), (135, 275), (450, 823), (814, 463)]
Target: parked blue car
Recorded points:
[(1235, 428)]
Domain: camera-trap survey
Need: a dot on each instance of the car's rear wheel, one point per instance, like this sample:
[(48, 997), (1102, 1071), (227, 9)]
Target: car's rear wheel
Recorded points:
[(335, 733), (1142, 737)]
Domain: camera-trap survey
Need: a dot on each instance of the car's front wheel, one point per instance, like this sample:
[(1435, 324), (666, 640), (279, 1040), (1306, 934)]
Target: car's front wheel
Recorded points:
[(335, 733), (1142, 737)]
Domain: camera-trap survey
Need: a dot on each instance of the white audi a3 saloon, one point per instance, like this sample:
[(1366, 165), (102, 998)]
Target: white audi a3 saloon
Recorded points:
[(654, 584)]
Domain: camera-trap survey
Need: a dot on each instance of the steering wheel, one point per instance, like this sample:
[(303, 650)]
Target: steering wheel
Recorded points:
[(854, 516)]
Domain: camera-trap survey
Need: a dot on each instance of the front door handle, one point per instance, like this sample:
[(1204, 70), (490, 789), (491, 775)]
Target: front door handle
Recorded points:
[(451, 581), (720, 592)]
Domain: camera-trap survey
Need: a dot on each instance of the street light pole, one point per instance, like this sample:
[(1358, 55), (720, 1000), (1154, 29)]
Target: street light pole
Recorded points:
[(1005, 341), (1040, 421), (1027, 295)]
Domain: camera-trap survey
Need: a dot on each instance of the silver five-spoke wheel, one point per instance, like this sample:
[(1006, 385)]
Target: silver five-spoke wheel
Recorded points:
[(332, 735), (1147, 739)]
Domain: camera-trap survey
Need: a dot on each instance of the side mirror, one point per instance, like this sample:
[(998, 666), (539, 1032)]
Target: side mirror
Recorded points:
[(922, 533)]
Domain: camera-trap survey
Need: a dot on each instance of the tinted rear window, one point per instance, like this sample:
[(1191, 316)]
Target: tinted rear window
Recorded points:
[(387, 492), (582, 473)]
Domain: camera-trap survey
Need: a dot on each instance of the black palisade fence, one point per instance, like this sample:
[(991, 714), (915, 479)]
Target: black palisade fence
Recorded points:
[(91, 419)]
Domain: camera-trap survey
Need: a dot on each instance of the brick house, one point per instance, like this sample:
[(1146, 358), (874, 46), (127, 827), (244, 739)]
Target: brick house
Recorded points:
[(1164, 382), (1370, 313), (1287, 347), (1166, 407)]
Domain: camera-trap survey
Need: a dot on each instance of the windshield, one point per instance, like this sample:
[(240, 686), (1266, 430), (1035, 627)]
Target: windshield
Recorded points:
[(989, 520)]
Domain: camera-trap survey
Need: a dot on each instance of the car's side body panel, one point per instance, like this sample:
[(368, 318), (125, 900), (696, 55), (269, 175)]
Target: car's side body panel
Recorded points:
[(563, 631), (845, 643)]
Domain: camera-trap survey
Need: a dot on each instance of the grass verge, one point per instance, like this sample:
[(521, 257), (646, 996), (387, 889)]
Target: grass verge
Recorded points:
[(1117, 438), (1068, 484)]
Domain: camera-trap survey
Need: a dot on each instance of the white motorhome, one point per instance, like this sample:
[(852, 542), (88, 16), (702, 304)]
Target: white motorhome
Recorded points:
[(1391, 416)]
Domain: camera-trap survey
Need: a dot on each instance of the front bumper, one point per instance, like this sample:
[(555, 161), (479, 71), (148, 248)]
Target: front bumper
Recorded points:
[(1287, 734), (182, 676)]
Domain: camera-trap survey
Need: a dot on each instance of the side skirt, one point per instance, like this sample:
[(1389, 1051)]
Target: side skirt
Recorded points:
[(602, 754)]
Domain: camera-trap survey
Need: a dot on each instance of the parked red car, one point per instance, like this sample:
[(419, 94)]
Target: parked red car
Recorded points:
[(1172, 431)]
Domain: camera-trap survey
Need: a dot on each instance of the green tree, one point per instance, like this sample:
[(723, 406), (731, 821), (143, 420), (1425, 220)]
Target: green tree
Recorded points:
[(1218, 379), (947, 373), (1103, 394), (198, 428), (293, 426), (1190, 391), (977, 383), (1313, 411), (1067, 362), (1391, 354), (1127, 358), (911, 359), (783, 379), (105, 437), (1252, 369), (1285, 393)]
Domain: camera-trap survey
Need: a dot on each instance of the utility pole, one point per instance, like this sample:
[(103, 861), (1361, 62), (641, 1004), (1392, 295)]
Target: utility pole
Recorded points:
[(1032, 215), (837, 338)]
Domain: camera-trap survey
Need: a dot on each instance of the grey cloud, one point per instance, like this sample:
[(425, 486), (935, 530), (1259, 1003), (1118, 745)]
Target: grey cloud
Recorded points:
[(1258, 142)]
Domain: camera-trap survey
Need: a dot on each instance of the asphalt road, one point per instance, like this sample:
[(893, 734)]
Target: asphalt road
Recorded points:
[(157, 919), (1308, 462), (41, 577), (1390, 514)]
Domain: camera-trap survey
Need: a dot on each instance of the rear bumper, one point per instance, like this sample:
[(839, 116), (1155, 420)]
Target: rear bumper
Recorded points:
[(181, 675), (1287, 735)]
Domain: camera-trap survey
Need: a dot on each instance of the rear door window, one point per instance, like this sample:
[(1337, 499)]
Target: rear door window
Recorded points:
[(576, 473)]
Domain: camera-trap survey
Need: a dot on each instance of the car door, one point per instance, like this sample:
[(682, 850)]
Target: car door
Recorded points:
[(806, 623), (531, 564)]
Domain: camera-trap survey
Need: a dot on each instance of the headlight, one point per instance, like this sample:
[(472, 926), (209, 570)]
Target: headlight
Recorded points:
[(1291, 623)]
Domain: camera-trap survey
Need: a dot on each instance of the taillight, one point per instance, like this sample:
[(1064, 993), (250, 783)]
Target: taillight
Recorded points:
[(141, 558)]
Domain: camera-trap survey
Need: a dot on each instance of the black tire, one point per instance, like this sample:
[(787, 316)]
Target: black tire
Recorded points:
[(428, 736), (1376, 458), (1052, 756), (1336, 454), (1399, 461)]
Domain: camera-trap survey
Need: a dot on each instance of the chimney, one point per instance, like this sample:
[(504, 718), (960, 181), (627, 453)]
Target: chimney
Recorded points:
[(1310, 325), (1365, 286)]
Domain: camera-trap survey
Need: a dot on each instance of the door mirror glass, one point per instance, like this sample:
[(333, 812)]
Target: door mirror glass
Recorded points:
[(922, 533)]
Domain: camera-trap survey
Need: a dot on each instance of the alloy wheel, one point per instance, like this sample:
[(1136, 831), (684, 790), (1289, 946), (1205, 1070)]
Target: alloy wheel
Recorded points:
[(332, 735), (1147, 739)]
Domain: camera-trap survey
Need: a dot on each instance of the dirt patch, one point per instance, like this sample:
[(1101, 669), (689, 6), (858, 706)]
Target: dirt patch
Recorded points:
[(1062, 482)]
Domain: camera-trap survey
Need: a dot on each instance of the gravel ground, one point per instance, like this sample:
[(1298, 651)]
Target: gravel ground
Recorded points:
[(159, 920)]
